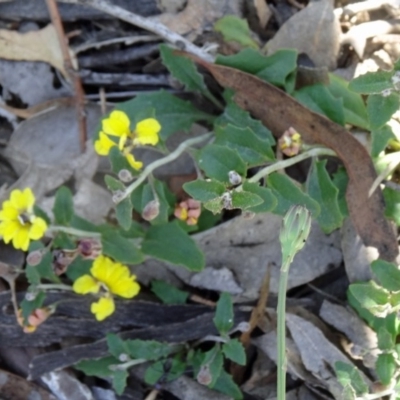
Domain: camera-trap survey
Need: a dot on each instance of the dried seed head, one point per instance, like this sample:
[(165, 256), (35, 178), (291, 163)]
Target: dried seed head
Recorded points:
[(125, 176), (118, 196), (151, 210), (34, 258), (234, 178)]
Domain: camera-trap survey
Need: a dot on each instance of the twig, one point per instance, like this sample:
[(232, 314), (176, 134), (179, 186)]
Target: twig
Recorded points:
[(147, 24), (69, 67)]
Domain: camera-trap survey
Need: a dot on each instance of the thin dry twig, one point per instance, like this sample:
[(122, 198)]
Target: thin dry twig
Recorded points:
[(72, 72), (147, 24)]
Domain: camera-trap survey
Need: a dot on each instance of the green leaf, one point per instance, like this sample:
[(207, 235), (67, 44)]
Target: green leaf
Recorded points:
[(184, 70), (319, 99), (245, 200), (381, 108), (278, 67), (355, 112), (288, 194), (214, 360), (217, 161), (119, 378), (214, 205), (392, 201), (78, 267), (225, 384), (234, 350), (240, 118), (28, 307), (380, 139), (116, 346), (97, 366), (350, 375), (119, 162), (42, 214), (145, 194), (247, 60), (371, 296), (253, 150), (321, 189), (223, 319), (168, 293), (204, 190), (171, 243), (63, 208), (120, 249), (372, 82), (164, 371), (387, 273), (340, 180), (385, 367), (235, 29), (174, 114), (269, 200), (124, 208), (148, 349), (385, 339)]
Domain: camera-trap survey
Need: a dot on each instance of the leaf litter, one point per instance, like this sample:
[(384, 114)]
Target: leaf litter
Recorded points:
[(239, 251)]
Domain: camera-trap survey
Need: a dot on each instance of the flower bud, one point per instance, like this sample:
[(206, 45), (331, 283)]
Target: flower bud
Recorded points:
[(227, 200), (204, 376), (89, 248), (123, 357), (151, 210), (34, 258), (296, 226), (234, 178), (125, 176)]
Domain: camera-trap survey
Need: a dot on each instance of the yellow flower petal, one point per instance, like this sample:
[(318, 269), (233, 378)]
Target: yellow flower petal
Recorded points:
[(122, 141), (126, 288), (103, 145), (8, 229), (86, 284), (38, 228), (117, 124), (22, 200), (147, 131), (8, 212), (21, 238), (101, 268), (103, 308), (133, 163)]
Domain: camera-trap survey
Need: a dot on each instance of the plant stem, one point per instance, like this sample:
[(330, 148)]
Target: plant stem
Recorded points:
[(73, 231), (318, 151), (158, 163), (281, 330), (54, 286)]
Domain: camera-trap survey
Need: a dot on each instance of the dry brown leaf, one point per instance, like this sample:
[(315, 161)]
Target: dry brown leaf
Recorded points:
[(41, 45), (264, 13), (278, 111)]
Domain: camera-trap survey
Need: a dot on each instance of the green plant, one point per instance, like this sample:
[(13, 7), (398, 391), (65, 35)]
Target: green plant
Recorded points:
[(237, 169)]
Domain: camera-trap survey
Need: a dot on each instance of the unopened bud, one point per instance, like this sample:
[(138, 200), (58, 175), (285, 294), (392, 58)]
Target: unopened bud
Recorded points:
[(125, 176), (386, 92), (151, 210), (34, 258), (204, 376), (123, 357), (30, 296), (118, 196), (234, 178), (296, 226), (227, 200)]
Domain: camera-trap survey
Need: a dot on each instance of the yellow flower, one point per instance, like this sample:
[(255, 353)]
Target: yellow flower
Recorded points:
[(18, 223), (103, 144), (118, 124), (110, 277), (147, 131)]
